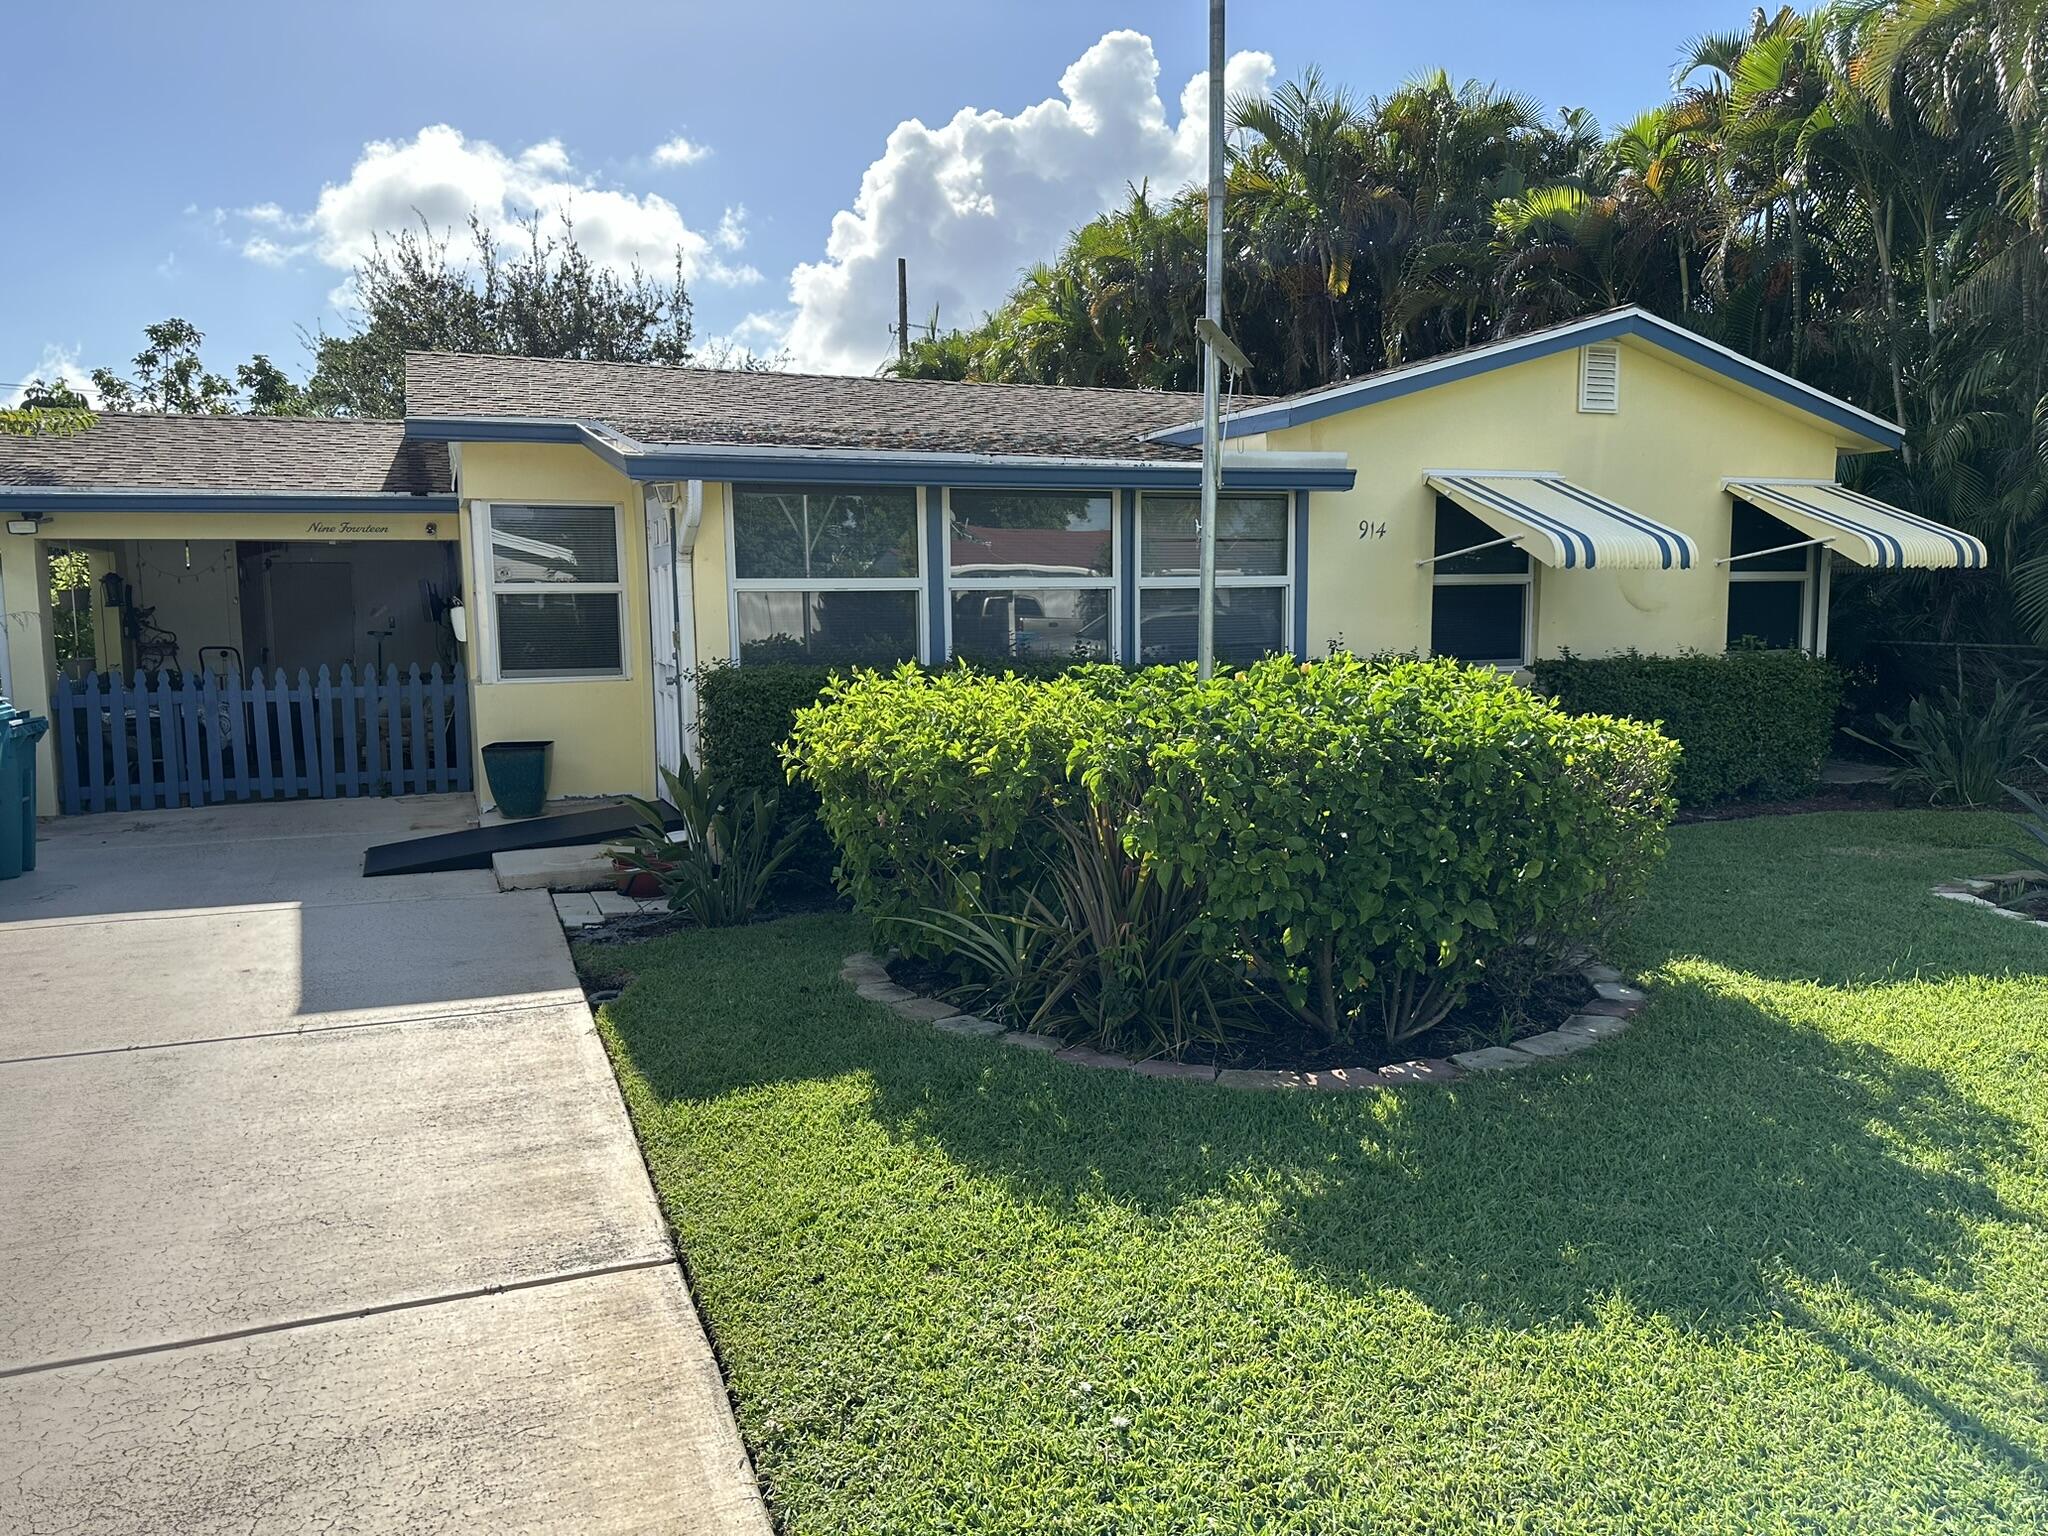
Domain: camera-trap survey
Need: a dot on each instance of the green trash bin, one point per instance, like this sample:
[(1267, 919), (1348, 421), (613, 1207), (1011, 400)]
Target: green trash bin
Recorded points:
[(19, 734), (517, 772)]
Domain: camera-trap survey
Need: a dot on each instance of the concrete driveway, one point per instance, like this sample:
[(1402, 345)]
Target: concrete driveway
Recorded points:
[(321, 1210)]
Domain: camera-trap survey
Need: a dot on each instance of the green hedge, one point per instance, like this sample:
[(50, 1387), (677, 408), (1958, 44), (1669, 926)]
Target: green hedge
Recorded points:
[(1362, 837), (1752, 724)]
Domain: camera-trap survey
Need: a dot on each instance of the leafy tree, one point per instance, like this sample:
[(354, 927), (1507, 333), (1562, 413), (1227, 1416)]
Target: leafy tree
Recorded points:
[(551, 299), (47, 409), (169, 377)]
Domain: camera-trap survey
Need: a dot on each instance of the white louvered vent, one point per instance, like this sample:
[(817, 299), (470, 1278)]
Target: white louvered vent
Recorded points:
[(1600, 379)]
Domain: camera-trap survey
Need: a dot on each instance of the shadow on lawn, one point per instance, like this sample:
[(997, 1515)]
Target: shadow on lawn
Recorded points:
[(1719, 1166)]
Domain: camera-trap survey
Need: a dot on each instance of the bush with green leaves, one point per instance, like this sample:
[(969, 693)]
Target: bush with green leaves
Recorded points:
[(1369, 835), (1751, 724), (938, 788), (733, 843), (1960, 748)]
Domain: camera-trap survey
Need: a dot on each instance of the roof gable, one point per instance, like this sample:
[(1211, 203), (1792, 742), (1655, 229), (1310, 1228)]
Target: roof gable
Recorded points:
[(1631, 323)]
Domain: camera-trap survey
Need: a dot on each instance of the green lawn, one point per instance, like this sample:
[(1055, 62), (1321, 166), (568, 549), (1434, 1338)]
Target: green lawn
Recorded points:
[(1777, 1260)]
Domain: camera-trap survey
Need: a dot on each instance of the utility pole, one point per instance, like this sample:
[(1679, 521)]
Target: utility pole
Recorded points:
[(903, 308), (1212, 309)]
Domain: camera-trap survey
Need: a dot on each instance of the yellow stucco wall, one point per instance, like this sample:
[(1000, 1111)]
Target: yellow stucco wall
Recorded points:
[(1678, 432), (708, 577), (603, 729)]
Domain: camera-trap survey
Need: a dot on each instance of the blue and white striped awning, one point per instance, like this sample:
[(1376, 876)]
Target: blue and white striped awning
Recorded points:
[(1862, 528), (1565, 525)]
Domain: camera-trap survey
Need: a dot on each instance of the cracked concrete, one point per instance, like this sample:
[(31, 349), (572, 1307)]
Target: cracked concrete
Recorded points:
[(322, 1209)]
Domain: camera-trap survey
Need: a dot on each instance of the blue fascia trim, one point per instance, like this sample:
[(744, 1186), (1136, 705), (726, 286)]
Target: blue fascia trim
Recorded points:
[(1301, 575), (16, 499), (1673, 339), (938, 620), (1127, 577), (809, 466)]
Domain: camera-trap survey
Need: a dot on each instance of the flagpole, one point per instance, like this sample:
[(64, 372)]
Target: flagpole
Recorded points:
[(1212, 459)]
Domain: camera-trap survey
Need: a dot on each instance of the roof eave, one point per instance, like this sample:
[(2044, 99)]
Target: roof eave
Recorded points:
[(56, 498), (1862, 426)]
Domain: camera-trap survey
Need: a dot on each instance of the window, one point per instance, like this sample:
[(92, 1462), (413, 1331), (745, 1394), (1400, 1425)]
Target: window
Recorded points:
[(1480, 608), (1252, 577), (1031, 573), (1770, 596), (557, 599), (825, 573)]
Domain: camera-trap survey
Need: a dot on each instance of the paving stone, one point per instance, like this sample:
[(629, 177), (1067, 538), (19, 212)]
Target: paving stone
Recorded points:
[(577, 909), (969, 1024), (1432, 1070), (1023, 1040), (1183, 1071), (1088, 1056), (863, 963), (884, 992), (1556, 1043), (1619, 992), (1606, 1008), (1598, 973), (1599, 1025), (1240, 1078), (613, 904), (929, 1009), (1493, 1058)]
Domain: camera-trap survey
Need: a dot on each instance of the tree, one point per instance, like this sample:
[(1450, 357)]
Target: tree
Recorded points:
[(169, 377), (46, 409), (551, 299)]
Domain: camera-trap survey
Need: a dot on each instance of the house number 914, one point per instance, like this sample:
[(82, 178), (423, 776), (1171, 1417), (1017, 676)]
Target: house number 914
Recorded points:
[(1368, 529)]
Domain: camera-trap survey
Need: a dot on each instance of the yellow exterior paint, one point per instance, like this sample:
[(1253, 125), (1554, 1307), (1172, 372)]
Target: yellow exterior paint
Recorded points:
[(1679, 431), (603, 729)]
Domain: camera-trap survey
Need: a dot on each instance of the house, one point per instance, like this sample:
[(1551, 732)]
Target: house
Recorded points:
[(568, 540)]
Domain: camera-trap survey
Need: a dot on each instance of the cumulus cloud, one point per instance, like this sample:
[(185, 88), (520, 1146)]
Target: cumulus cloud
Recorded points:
[(974, 202), (732, 227), (679, 151), (58, 364), (441, 176)]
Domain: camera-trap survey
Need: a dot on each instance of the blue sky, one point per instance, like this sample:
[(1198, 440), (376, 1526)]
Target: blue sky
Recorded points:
[(172, 159)]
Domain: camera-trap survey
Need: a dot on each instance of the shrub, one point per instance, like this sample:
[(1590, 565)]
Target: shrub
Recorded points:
[(744, 717), (937, 788), (721, 871), (1368, 835), (1957, 748), (1750, 723)]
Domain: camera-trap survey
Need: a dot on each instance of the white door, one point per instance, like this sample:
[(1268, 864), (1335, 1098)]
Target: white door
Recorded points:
[(667, 631)]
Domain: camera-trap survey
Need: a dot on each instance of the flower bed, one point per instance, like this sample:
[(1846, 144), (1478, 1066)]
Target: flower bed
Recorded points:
[(1293, 865)]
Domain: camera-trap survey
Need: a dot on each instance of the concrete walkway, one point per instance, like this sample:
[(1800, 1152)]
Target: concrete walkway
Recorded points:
[(321, 1210)]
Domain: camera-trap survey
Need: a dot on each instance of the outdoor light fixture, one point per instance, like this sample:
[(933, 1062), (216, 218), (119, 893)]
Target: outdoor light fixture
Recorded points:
[(27, 525)]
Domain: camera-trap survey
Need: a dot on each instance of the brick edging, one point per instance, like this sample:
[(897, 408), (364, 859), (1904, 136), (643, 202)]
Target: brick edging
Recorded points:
[(1608, 1015)]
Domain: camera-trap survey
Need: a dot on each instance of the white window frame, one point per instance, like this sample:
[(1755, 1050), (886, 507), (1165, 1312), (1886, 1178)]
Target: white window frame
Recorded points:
[(735, 585), (1141, 583), (482, 525), (1438, 577), (1112, 583), (1812, 639)]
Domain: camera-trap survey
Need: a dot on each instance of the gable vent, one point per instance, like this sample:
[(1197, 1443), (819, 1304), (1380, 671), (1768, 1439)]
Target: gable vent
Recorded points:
[(1600, 379)]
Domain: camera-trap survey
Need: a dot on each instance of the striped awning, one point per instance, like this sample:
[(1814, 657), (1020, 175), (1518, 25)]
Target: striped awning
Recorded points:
[(1863, 529), (1566, 525)]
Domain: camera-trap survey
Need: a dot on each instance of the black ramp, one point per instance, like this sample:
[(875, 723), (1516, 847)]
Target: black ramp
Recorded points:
[(473, 849)]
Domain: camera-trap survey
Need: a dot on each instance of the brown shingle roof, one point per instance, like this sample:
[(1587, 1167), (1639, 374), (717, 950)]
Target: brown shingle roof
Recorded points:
[(707, 405), (229, 453)]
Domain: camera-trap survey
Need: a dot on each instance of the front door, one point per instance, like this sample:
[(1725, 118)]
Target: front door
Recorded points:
[(669, 622)]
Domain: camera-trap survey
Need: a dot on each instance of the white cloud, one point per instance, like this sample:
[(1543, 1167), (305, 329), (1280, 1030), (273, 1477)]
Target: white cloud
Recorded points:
[(732, 227), (679, 151), (57, 364), (973, 203), (440, 176)]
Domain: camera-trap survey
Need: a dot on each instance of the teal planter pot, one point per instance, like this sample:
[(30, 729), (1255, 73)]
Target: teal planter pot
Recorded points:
[(517, 772)]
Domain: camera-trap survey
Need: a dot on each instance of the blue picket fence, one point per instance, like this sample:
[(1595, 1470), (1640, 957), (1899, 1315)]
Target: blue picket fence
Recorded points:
[(139, 744)]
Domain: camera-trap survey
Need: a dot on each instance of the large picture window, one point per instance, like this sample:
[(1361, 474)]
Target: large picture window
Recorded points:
[(1479, 600), (1031, 574), (1252, 577), (1770, 587), (556, 592), (824, 573)]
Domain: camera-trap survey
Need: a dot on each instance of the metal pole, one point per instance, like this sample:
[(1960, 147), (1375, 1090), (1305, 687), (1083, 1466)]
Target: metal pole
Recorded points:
[(903, 307), (1212, 433)]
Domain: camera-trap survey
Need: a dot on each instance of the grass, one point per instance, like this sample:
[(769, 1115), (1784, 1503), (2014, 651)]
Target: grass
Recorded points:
[(1777, 1260)]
